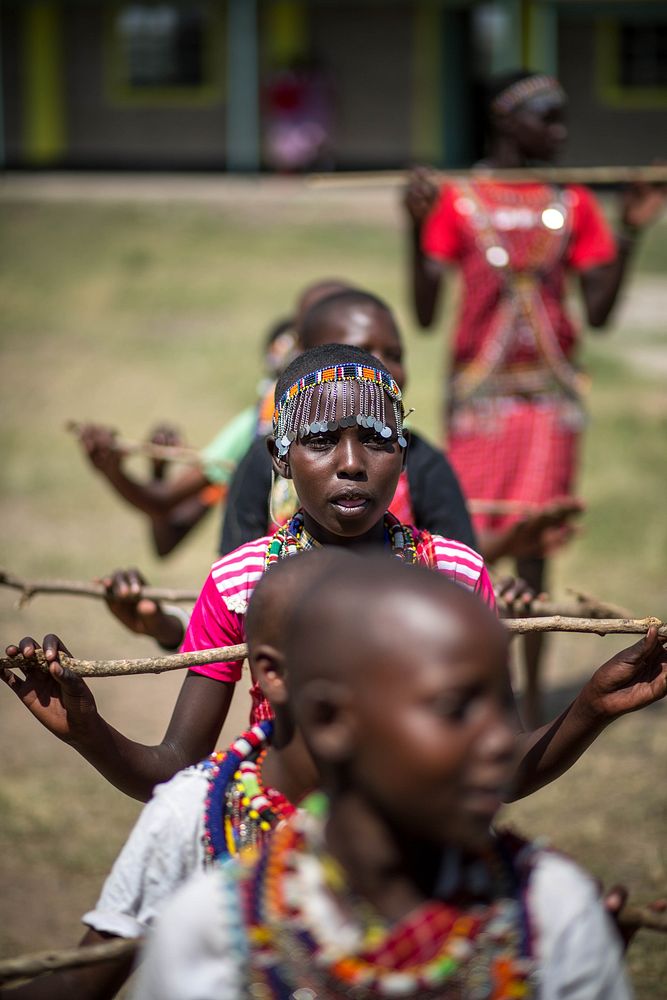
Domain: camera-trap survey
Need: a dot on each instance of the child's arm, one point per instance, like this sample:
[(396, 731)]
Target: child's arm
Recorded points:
[(425, 276), (634, 678), (155, 496), (64, 704), (641, 204)]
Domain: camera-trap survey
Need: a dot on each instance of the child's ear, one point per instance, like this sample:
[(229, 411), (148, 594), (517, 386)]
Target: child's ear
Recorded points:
[(280, 463), (327, 718), (268, 668)]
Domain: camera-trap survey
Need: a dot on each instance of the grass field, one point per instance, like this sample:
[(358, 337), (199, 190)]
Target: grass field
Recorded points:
[(129, 309)]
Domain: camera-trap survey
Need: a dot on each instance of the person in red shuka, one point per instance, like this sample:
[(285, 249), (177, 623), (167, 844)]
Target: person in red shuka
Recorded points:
[(515, 393)]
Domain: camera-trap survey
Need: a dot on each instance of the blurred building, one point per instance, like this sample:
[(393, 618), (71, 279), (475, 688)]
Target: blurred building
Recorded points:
[(288, 84)]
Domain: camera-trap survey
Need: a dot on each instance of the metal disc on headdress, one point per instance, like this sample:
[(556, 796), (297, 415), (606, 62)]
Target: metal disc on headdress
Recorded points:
[(291, 436), (385, 432), (332, 425), (378, 425), (497, 256), (360, 420), (553, 218), (402, 442)]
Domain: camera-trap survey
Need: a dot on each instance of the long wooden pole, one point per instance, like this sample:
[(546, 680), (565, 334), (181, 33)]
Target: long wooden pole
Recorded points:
[(28, 966), (581, 606), (224, 654), (81, 588), (161, 452), (549, 175)]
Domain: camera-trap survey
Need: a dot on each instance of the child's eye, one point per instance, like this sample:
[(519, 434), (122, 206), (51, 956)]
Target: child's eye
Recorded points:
[(319, 442), (375, 441)]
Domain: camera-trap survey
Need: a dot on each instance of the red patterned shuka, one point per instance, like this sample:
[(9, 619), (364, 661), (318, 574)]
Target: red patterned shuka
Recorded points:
[(515, 395)]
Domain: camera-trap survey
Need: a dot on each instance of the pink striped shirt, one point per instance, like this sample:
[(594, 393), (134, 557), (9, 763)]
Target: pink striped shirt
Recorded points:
[(218, 617)]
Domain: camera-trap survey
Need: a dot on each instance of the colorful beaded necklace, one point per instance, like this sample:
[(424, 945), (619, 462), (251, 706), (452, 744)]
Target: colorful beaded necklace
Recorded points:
[(305, 930), (293, 538), (240, 811)]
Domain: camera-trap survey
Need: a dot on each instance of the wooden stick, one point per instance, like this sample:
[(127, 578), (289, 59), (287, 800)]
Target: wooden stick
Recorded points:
[(583, 606), (162, 452), (79, 588), (29, 966), (146, 665), (223, 654), (549, 175), (37, 963), (583, 609), (499, 508), (596, 626)]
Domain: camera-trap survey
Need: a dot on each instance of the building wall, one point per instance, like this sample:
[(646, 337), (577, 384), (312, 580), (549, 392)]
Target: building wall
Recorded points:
[(600, 132)]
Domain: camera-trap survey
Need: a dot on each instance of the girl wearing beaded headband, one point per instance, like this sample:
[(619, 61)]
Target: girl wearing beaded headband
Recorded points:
[(345, 479), (515, 396)]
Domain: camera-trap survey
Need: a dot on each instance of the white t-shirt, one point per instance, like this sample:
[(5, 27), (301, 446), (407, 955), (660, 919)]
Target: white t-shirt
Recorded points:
[(196, 952), (163, 850)]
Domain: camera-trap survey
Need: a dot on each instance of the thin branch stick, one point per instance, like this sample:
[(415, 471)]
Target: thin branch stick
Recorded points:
[(37, 963), (79, 588), (500, 508), (550, 175), (146, 665), (29, 966), (223, 654), (596, 626), (581, 607), (162, 452)]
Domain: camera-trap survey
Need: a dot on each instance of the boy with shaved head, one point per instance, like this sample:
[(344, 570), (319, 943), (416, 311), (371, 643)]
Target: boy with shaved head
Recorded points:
[(392, 881)]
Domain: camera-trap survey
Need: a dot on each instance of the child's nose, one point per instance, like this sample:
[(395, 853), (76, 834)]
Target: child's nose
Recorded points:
[(350, 456)]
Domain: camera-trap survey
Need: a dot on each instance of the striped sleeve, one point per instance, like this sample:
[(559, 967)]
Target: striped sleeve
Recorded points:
[(218, 617), (465, 566)]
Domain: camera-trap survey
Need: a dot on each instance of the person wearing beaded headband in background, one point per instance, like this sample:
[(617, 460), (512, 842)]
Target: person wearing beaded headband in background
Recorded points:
[(515, 394), (392, 882)]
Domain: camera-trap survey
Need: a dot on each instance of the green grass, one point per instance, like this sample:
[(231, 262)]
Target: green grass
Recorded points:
[(129, 313)]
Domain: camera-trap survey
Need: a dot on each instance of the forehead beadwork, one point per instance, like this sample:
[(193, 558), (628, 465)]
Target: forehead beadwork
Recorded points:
[(529, 89), (336, 408)]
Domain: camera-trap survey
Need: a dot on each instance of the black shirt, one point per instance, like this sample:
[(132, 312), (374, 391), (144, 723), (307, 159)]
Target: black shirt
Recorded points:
[(435, 494)]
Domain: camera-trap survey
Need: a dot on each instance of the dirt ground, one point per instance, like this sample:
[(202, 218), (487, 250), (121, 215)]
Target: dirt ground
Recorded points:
[(131, 299)]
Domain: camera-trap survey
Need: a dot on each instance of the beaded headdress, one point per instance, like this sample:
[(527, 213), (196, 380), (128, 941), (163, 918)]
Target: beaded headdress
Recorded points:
[(533, 87), (337, 408)]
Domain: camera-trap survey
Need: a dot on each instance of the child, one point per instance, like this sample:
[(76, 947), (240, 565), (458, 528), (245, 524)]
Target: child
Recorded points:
[(515, 398), (428, 493), (345, 456), (341, 441), (393, 883)]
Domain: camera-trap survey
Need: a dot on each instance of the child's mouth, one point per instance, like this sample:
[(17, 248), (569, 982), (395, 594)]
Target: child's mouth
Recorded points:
[(350, 504)]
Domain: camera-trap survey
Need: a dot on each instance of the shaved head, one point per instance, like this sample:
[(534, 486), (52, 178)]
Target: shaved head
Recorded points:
[(279, 592), (374, 610)]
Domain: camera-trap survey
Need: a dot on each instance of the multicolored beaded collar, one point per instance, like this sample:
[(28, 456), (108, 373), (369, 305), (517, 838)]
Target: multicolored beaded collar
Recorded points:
[(240, 811), (306, 930), (293, 538), (339, 407), (530, 89)]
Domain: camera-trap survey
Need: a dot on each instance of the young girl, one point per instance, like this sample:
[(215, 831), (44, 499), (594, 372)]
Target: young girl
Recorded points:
[(338, 434), (393, 883), (515, 408), (428, 494)]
